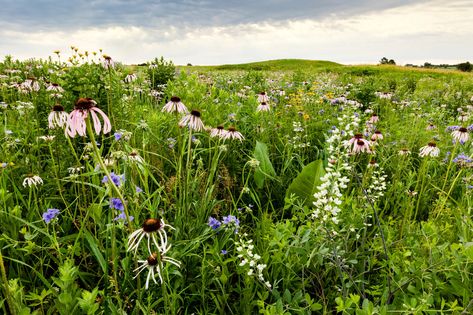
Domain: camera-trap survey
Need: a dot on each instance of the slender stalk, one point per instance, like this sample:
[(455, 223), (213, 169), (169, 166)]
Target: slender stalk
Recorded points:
[(98, 155), (6, 289)]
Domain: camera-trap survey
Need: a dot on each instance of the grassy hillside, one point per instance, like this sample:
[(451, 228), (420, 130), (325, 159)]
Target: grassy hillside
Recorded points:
[(279, 64), (329, 66)]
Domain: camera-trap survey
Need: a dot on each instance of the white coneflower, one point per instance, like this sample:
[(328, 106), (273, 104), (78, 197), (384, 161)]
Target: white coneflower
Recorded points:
[(54, 87), (154, 264), (135, 157), (47, 138), (429, 150), (461, 135), (175, 106), (58, 117), (218, 132), (193, 121), (262, 97), (263, 107), (130, 78), (32, 180), (232, 133), (404, 151), (149, 229), (75, 170)]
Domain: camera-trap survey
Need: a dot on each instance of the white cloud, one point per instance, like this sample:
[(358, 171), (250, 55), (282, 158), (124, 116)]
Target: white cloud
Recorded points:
[(432, 31)]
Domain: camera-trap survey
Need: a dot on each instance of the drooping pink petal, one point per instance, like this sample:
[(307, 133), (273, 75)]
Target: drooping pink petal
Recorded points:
[(97, 123), (107, 126)]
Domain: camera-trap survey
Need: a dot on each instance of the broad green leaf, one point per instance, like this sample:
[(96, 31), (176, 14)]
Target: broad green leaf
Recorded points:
[(265, 168), (95, 250), (305, 184)]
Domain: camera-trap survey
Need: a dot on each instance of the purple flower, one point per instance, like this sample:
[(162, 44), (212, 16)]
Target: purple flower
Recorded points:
[(138, 190), (229, 219), (50, 214), (214, 223), (117, 136), (223, 252), (116, 179), (116, 203), (122, 216)]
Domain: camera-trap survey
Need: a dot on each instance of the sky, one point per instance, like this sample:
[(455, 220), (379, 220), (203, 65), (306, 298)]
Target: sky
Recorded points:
[(210, 32)]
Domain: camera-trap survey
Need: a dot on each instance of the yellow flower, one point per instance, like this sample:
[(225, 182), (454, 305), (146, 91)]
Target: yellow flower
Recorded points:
[(306, 117)]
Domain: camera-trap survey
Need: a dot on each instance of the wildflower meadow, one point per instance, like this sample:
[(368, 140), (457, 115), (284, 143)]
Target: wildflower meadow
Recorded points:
[(286, 187)]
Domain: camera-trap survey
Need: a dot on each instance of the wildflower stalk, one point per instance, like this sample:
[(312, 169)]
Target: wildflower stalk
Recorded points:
[(6, 289), (56, 173), (91, 134), (452, 156)]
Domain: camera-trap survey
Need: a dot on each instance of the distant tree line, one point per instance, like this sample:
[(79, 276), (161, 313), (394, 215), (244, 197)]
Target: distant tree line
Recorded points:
[(464, 66)]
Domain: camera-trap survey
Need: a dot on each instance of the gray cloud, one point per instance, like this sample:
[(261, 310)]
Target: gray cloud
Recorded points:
[(69, 15)]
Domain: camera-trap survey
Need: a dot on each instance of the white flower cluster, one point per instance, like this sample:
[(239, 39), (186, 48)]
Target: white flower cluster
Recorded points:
[(377, 185), (249, 260), (298, 140), (328, 196)]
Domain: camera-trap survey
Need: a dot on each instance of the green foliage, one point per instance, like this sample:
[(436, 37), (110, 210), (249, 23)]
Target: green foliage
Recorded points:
[(305, 184), (160, 72), (265, 169)]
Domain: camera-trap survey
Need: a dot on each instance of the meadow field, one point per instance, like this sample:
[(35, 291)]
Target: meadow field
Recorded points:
[(279, 187)]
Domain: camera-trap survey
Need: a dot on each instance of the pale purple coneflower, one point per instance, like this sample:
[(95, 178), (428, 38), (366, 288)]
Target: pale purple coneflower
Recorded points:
[(263, 107), (263, 97), (30, 84), (154, 264), (232, 133), (430, 149), (193, 121), (358, 144), (463, 117), (54, 87), (149, 229), (32, 180), (461, 135), (76, 122), (108, 62), (431, 127), (404, 151), (218, 132), (130, 78), (58, 117), (361, 146), (175, 106), (377, 136), (373, 119)]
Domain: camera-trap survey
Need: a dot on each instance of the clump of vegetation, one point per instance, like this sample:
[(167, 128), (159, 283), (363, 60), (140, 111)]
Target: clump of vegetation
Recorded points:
[(306, 188)]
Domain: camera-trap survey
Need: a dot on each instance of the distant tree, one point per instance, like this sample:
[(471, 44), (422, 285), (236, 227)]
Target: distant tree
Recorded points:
[(189, 64), (465, 66), (386, 61), (427, 65)]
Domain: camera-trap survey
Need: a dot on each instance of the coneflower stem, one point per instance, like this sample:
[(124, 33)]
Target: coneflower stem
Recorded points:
[(91, 134)]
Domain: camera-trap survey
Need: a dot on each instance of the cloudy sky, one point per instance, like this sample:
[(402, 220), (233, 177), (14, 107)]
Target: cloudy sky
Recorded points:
[(205, 32)]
